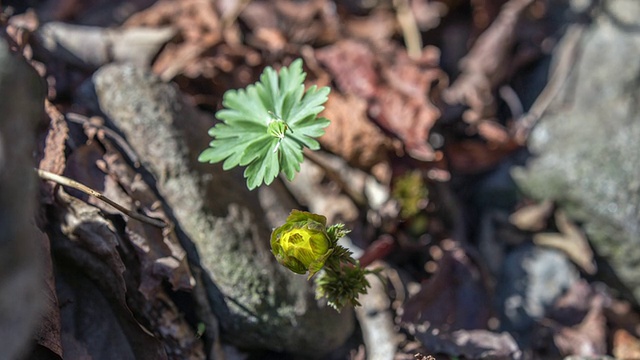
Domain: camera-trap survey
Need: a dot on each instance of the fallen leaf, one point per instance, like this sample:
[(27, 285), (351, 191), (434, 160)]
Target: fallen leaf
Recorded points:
[(396, 88), (428, 14), (486, 64), (405, 106), (91, 46), (494, 133), (625, 345), (198, 27), (48, 334), (91, 321), (532, 217), (352, 135), (352, 66), (454, 298), (377, 250), (160, 253), (571, 240), (53, 158), (376, 28), (91, 241), (474, 156), (471, 344), (574, 325), (586, 339)]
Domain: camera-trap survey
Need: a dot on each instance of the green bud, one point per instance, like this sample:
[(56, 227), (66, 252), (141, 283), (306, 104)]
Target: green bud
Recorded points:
[(277, 128), (302, 243), (342, 287)]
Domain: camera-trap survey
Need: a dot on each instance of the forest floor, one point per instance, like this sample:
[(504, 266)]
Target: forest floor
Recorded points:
[(431, 106)]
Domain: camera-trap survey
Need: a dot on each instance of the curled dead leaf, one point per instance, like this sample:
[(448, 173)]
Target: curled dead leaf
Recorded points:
[(571, 240), (532, 217), (352, 135), (91, 47), (625, 345), (398, 90)]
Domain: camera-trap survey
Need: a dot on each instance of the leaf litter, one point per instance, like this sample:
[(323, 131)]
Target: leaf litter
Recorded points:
[(391, 113)]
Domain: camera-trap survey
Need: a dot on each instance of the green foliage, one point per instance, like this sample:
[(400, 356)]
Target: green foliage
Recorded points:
[(342, 286), (336, 232), (265, 126), (411, 192)]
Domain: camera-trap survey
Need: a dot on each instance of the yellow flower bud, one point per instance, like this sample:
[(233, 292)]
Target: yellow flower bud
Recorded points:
[(302, 243)]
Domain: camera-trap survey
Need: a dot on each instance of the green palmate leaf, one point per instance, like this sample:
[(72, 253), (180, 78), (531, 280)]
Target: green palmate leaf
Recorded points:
[(266, 126)]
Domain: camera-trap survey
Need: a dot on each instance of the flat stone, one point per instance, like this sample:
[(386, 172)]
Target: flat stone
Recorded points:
[(586, 148), (259, 303)]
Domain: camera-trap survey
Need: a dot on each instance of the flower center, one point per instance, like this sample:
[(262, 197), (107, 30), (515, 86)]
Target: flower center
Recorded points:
[(296, 238)]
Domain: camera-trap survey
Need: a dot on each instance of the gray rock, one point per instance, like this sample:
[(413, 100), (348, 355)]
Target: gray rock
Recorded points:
[(21, 285), (586, 144), (259, 304), (532, 280)]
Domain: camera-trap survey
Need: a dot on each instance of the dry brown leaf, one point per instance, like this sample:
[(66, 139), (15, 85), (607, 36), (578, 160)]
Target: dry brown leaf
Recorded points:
[(472, 344), (474, 156), (159, 251), (160, 255), (589, 337), (428, 13), (91, 46), (621, 314), (625, 345), (533, 217), (199, 27), (397, 89), (404, 105), (571, 240), (352, 135), (151, 255), (48, 333), (486, 64), (376, 28), (485, 11), (90, 240), (575, 324), (270, 39), (53, 159), (296, 23), (493, 132), (453, 298), (352, 66)]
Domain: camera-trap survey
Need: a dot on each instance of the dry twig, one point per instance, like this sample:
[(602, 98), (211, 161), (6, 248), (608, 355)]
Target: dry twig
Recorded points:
[(65, 181)]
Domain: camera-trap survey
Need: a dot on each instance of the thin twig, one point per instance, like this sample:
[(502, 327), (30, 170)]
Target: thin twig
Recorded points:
[(335, 175), (410, 31), (65, 181), (565, 57)]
